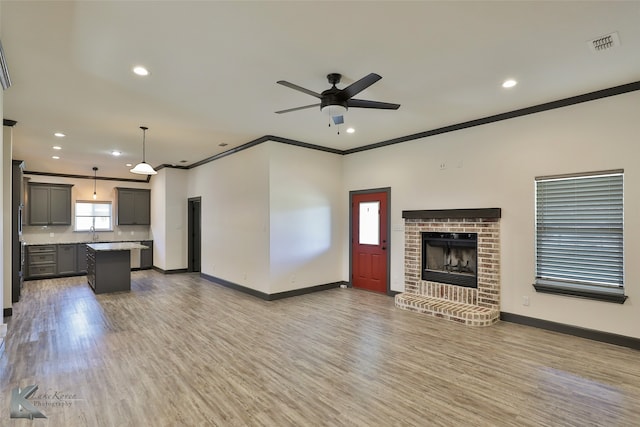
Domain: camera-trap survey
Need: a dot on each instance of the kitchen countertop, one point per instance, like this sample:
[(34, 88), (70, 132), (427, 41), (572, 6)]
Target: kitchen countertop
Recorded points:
[(120, 246)]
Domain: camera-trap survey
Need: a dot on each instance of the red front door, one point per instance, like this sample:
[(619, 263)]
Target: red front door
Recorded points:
[(369, 241)]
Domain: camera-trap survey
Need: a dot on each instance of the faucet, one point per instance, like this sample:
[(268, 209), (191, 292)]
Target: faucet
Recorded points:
[(94, 235)]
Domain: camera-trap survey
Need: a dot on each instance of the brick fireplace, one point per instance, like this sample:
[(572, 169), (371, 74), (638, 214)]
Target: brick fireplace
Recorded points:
[(479, 306)]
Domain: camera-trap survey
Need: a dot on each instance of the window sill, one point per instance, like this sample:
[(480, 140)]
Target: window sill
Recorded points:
[(614, 295)]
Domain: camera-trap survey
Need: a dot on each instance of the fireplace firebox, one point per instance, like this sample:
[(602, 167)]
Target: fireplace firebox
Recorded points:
[(450, 258)]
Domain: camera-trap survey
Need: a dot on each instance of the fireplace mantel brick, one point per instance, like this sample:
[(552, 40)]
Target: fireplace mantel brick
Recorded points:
[(471, 306)]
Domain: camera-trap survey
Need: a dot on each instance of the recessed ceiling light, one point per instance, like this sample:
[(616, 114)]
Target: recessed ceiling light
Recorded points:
[(350, 130), (57, 147), (509, 83), (59, 134), (116, 153), (55, 157), (128, 165), (140, 70)]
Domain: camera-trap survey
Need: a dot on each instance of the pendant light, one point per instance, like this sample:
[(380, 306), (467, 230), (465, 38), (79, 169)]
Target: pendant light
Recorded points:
[(143, 168), (95, 177)]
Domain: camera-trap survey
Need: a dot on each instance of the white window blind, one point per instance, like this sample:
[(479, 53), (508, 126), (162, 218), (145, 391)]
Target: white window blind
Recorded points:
[(579, 230), (94, 216)]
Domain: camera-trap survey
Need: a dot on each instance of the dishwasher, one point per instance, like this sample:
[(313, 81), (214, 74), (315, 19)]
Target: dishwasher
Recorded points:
[(135, 258)]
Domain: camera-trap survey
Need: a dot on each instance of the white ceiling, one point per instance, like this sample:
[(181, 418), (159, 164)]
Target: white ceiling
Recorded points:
[(215, 65)]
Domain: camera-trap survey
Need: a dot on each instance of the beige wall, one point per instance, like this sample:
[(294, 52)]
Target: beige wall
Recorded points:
[(494, 166), (306, 206), (235, 217), (169, 218), (271, 217)]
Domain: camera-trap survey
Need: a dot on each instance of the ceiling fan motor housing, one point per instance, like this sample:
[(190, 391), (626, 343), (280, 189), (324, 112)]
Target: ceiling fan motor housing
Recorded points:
[(332, 101)]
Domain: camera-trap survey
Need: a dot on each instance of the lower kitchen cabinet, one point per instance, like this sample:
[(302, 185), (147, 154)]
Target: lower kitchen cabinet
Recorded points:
[(67, 259), (42, 261), (81, 258), (146, 255)]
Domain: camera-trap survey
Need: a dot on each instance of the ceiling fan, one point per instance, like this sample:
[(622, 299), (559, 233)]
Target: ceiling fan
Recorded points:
[(335, 102)]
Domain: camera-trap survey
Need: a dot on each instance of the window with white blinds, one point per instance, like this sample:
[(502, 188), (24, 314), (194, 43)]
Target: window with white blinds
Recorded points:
[(93, 216), (579, 231)]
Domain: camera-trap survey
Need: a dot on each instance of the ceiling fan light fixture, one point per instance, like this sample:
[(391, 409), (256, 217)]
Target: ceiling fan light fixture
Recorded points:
[(334, 110), (143, 168)]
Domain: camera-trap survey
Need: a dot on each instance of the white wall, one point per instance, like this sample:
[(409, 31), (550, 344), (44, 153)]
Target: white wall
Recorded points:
[(306, 206), (169, 218), (235, 217), (271, 217), (494, 166), (159, 218)]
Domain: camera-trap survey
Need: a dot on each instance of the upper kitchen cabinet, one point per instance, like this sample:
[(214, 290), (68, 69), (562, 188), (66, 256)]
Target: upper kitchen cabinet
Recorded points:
[(134, 206), (49, 204)]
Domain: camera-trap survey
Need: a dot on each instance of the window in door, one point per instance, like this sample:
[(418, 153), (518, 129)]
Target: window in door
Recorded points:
[(369, 223)]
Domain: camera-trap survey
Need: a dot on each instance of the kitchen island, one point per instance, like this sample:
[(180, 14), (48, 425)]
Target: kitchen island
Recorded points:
[(109, 266)]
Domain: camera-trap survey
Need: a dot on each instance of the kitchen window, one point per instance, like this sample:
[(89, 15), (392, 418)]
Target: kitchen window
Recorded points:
[(93, 216), (579, 235)]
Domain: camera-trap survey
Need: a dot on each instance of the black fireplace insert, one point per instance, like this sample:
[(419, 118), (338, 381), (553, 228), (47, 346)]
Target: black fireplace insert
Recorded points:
[(450, 258)]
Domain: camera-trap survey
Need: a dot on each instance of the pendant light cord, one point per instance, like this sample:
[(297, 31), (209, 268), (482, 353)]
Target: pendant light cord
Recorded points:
[(95, 177), (144, 134)]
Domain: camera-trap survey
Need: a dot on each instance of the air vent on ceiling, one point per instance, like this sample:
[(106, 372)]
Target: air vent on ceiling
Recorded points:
[(605, 42)]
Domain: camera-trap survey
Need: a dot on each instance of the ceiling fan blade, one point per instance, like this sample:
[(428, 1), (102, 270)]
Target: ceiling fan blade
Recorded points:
[(297, 108), (357, 87), (299, 88), (361, 103), (338, 120)]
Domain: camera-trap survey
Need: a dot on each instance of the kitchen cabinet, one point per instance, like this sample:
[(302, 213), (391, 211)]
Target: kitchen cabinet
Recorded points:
[(109, 266), (17, 257), (42, 261), (81, 258), (66, 259), (146, 255), (134, 206), (49, 204)]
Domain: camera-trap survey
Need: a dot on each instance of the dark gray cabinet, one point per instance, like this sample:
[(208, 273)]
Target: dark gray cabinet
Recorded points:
[(17, 257), (146, 255), (108, 271), (49, 204), (67, 259), (134, 206), (81, 258), (42, 261)]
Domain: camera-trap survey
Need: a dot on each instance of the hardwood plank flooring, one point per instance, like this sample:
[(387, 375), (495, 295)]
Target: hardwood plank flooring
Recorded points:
[(181, 351)]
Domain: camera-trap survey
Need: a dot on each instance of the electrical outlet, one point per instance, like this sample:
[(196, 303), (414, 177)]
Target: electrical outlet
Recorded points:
[(52, 234), (525, 301), (443, 165)]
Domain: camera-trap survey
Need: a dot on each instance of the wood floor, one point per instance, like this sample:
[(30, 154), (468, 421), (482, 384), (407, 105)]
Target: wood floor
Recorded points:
[(180, 351)]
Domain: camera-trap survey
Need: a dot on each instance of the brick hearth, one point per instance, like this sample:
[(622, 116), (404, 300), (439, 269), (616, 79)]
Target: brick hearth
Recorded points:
[(472, 306)]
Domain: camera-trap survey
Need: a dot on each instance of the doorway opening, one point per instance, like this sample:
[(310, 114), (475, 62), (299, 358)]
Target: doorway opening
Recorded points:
[(195, 231)]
